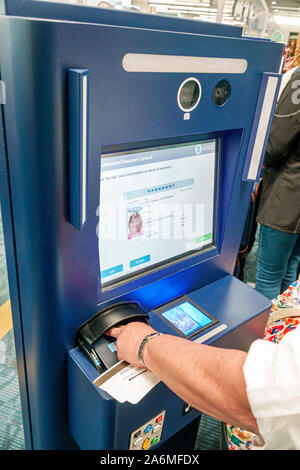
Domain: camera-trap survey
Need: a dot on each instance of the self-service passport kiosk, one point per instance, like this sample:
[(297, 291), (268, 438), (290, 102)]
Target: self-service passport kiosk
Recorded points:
[(129, 148)]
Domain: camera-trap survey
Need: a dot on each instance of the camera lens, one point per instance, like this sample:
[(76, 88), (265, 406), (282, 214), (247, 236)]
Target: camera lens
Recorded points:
[(189, 94), (221, 93)]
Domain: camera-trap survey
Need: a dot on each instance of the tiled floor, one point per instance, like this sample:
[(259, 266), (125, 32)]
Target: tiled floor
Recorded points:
[(11, 426), (5, 318), (4, 292), (209, 435)]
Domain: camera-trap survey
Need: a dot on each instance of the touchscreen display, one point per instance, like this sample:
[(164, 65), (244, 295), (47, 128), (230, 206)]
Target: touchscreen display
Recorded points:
[(156, 205), (187, 318)]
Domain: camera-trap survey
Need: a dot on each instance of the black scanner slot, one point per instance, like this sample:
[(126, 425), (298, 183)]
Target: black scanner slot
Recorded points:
[(91, 337)]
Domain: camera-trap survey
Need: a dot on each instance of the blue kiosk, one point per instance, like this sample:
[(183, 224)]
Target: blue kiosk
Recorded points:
[(129, 147)]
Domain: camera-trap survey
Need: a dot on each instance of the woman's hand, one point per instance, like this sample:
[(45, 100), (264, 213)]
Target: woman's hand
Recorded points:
[(129, 338)]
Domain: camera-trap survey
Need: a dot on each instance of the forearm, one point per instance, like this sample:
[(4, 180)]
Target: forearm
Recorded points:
[(210, 379)]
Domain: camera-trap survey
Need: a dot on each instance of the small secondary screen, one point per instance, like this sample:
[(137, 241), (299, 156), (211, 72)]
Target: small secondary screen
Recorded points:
[(187, 318), (156, 206)]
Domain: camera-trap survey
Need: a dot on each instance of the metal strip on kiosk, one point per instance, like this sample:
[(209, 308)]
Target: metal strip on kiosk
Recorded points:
[(261, 126), (79, 130)]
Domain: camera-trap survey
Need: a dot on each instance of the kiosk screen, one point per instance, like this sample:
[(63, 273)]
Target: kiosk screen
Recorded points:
[(157, 205)]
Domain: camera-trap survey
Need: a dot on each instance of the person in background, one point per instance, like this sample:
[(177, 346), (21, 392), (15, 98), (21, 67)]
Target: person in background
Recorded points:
[(104, 4), (289, 55), (296, 53), (286, 78), (279, 207)]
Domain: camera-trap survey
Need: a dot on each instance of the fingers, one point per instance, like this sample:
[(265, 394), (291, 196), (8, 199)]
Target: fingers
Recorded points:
[(129, 338), (115, 331)]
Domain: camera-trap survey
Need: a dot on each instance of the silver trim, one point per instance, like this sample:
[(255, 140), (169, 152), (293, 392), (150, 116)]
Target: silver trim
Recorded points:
[(211, 333), (156, 63), (2, 92), (84, 148), (185, 110), (262, 127)]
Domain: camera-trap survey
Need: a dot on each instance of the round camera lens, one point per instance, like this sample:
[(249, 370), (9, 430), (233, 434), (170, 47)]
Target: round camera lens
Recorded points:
[(221, 93), (189, 94)]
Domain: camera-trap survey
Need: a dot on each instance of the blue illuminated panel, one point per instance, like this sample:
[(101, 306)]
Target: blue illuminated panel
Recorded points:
[(187, 318)]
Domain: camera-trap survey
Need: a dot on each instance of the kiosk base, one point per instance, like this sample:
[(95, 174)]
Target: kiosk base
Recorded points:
[(99, 422)]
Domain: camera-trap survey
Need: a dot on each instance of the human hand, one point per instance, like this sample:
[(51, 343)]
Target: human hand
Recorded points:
[(129, 338)]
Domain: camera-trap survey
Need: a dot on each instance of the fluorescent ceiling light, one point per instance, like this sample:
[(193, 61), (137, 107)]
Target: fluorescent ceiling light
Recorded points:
[(290, 11), (192, 12), (185, 4), (287, 20), (199, 10), (174, 2)]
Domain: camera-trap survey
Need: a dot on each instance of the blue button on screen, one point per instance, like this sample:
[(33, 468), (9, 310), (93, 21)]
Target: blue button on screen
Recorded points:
[(111, 271), (138, 261)]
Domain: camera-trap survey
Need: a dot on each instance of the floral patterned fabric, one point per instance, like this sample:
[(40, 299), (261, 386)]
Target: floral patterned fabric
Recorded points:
[(240, 439)]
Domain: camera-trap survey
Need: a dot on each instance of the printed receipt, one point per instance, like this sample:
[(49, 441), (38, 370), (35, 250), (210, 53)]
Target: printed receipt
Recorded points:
[(125, 382)]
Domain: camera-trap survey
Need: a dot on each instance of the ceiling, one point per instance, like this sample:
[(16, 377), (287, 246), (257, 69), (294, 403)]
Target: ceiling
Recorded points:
[(257, 17), (235, 11), (284, 7), (197, 9)]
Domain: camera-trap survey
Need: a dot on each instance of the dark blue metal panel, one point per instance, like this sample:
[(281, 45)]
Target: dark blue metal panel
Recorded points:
[(90, 415), (58, 265)]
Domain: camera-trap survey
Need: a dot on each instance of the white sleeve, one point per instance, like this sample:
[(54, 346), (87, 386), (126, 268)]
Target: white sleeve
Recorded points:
[(272, 375)]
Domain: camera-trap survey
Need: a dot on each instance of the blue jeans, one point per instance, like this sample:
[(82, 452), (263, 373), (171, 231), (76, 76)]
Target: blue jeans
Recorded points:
[(277, 261)]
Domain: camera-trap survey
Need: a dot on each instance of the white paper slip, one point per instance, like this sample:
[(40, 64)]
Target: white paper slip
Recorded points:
[(124, 382), (141, 381)]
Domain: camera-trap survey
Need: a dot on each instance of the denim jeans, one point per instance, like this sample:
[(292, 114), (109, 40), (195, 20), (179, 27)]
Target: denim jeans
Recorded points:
[(277, 261)]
